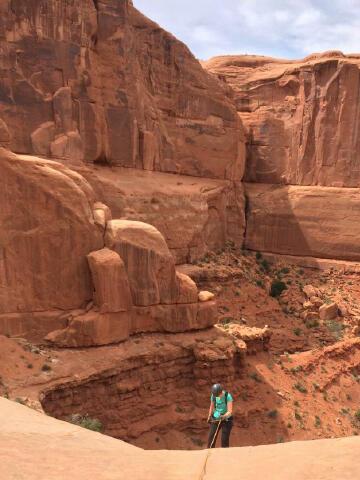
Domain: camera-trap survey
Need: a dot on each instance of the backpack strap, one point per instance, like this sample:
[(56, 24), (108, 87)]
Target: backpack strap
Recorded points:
[(226, 398)]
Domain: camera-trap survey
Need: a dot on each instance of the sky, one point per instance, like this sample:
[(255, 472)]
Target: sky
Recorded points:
[(277, 28)]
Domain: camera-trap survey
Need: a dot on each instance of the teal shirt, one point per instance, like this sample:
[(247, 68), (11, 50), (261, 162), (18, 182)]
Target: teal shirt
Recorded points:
[(220, 405)]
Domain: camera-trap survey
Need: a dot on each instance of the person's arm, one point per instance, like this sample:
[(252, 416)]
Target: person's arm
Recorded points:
[(229, 410), (211, 409)]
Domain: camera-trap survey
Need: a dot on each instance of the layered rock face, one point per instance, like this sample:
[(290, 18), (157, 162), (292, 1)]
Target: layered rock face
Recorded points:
[(193, 214), (302, 120), (156, 386), (47, 229), (55, 257), (301, 116), (99, 82), (305, 221), (136, 290)]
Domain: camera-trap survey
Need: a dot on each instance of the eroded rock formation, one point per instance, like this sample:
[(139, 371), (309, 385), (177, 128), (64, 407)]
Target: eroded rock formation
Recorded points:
[(301, 117), (302, 130), (99, 82), (47, 229)]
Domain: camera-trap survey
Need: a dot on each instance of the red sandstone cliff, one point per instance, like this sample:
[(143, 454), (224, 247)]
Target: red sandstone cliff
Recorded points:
[(99, 82), (302, 117), (302, 121)]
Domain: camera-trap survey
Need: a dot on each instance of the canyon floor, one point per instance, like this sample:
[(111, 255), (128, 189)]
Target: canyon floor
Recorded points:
[(298, 381)]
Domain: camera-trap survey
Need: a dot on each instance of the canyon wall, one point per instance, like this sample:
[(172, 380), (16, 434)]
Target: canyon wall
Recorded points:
[(302, 121), (153, 387), (98, 84)]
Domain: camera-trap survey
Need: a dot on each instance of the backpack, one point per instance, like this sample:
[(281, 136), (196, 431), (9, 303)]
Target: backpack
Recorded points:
[(226, 399)]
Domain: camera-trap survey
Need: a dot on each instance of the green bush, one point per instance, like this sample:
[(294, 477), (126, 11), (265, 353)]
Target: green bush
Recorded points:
[(273, 413), (86, 422), (277, 287), (357, 415), (300, 387), (285, 270), (265, 265)]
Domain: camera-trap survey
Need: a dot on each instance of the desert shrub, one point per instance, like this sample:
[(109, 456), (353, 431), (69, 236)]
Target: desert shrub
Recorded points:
[(19, 400), (300, 387), (285, 270), (255, 377), (86, 422), (357, 415), (336, 328), (277, 287), (265, 265), (298, 332), (273, 413), (258, 255), (45, 368), (317, 421)]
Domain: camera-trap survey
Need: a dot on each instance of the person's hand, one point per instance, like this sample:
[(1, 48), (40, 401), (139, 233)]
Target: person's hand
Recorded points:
[(208, 419)]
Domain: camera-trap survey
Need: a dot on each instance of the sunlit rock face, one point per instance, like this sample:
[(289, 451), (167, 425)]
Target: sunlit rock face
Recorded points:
[(97, 81)]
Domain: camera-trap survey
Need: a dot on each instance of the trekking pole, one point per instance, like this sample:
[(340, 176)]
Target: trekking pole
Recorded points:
[(214, 437)]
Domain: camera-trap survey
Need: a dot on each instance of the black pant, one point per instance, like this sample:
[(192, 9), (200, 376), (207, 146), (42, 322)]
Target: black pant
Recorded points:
[(225, 427)]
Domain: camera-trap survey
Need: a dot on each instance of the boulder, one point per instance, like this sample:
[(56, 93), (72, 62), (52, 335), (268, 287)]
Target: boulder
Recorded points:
[(310, 291), (328, 311), (316, 301), (102, 214), (205, 296), (188, 291), (91, 329), (149, 264), (112, 291), (173, 318)]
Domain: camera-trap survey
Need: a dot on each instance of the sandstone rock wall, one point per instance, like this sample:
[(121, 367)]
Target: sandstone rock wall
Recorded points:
[(193, 214), (99, 82), (302, 117), (155, 388), (302, 121), (136, 290), (304, 221), (46, 230)]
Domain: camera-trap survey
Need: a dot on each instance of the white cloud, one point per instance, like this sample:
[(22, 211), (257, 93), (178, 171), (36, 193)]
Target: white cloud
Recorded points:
[(279, 28)]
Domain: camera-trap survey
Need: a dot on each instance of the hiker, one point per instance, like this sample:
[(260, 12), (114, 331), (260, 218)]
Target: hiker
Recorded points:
[(220, 416)]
